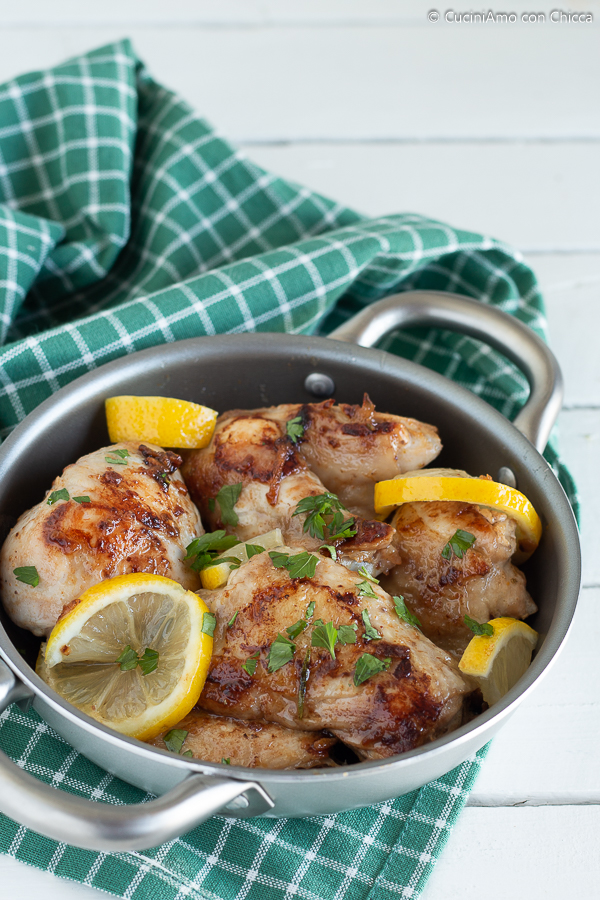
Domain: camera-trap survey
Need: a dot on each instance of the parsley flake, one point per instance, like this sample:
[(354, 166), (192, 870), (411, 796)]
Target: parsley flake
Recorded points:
[(253, 550), (209, 623), (281, 652), (203, 550), (175, 739), (365, 574), (310, 609), (148, 662), (226, 760), (371, 633), (404, 613), (347, 634), (458, 544), (84, 499), (188, 753), (128, 659), (365, 589), (331, 549), (295, 429), (27, 574), (479, 628), (302, 565), (118, 457), (325, 635), (250, 665), (62, 494), (368, 665), (325, 513), (296, 629), (227, 497), (231, 622)]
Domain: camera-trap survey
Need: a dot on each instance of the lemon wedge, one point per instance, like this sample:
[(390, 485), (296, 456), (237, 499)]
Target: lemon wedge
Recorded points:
[(133, 652), (440, 485), (160, 420), (498, 661), (217, 575)]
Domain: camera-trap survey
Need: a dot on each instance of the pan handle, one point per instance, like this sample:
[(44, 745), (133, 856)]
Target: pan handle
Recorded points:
[(478, 320), (98, 826)]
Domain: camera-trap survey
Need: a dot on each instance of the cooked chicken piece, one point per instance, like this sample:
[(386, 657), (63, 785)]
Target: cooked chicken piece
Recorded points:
[(256, 452), (483, 584), (417, 696), (351, 447), (139, 518), (255, 744)]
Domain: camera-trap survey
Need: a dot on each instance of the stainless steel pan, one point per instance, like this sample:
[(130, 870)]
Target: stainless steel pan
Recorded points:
[(255, 370)]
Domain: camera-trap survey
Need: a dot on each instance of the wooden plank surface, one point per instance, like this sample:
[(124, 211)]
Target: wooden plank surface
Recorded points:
[(380, 83)]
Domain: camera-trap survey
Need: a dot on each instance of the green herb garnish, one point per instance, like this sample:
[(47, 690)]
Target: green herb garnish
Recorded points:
[(310, 609), (188, 753), (371, 634), (84, 499), (281, 652), (302, 565), (458, 544), (227, 497), (296, 629), (211, 504), (226, 760), (253, 550), (27, 574), (363, 571), (62, 494), (118, 457), (404, 612), (325, 635), (325, 513), (295, 429), (347, 634), (148, 662), (250, 665), (331, 549), (365, 589), (479, 628), (231, 622), (203, 550), (175, 739), (368, 665), (209, 622)]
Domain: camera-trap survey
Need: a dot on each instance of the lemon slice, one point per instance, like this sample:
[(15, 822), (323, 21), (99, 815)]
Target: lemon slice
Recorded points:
[(217, 576), (438, 485), (498, 661), (160, 420), (90, 658)]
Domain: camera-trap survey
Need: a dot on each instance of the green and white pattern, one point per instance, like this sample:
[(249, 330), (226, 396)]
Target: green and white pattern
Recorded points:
[(126, 222)]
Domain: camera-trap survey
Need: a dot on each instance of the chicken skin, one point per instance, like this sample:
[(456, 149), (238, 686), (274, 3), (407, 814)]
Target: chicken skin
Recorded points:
[(256, 452), (253, 744), (412, 694), (482, 584), (351, 447), (122, 509)]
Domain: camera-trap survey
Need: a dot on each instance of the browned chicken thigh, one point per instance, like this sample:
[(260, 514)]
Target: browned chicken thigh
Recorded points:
[(482, 584), (255, 744), (256, 452), (121, 509), (388, 691)]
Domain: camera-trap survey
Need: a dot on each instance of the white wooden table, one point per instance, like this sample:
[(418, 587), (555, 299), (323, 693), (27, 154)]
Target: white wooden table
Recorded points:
[(489, 127)]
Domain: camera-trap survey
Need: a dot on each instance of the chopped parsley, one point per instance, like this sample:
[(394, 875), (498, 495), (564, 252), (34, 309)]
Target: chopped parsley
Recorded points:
[(203, 550), (281, 652), (325, 513), (368, 665), (331, 549), (458, 544), (209, 623), (250, 665), (296, 629), (227, 497), (295, 429), (479, 628), (148, 661), (371, 634), (253, 550), (404, 612), (310, 609), (231, 622), (325, 635), (84, 499), (226, 760), (365, 574), (347, 634), (365, 589), (302, 565), (62, 494), (118, 457), (175, 739), (188, 753), (27, 574)]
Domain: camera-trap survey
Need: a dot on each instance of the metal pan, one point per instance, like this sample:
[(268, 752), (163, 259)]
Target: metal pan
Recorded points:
[(252, 370)]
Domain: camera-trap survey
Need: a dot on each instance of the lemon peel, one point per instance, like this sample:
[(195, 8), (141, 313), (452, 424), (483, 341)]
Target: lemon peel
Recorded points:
[(165, 421), (497, 661)]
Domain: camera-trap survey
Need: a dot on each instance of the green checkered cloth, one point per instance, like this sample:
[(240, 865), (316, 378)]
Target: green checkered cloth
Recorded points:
[(126, 221)]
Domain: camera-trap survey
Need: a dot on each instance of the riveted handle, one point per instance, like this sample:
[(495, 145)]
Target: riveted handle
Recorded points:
[(478, 320), (100, 826)]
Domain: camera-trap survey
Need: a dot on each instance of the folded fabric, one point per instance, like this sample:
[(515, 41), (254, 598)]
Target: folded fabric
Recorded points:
[(126, 222)]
